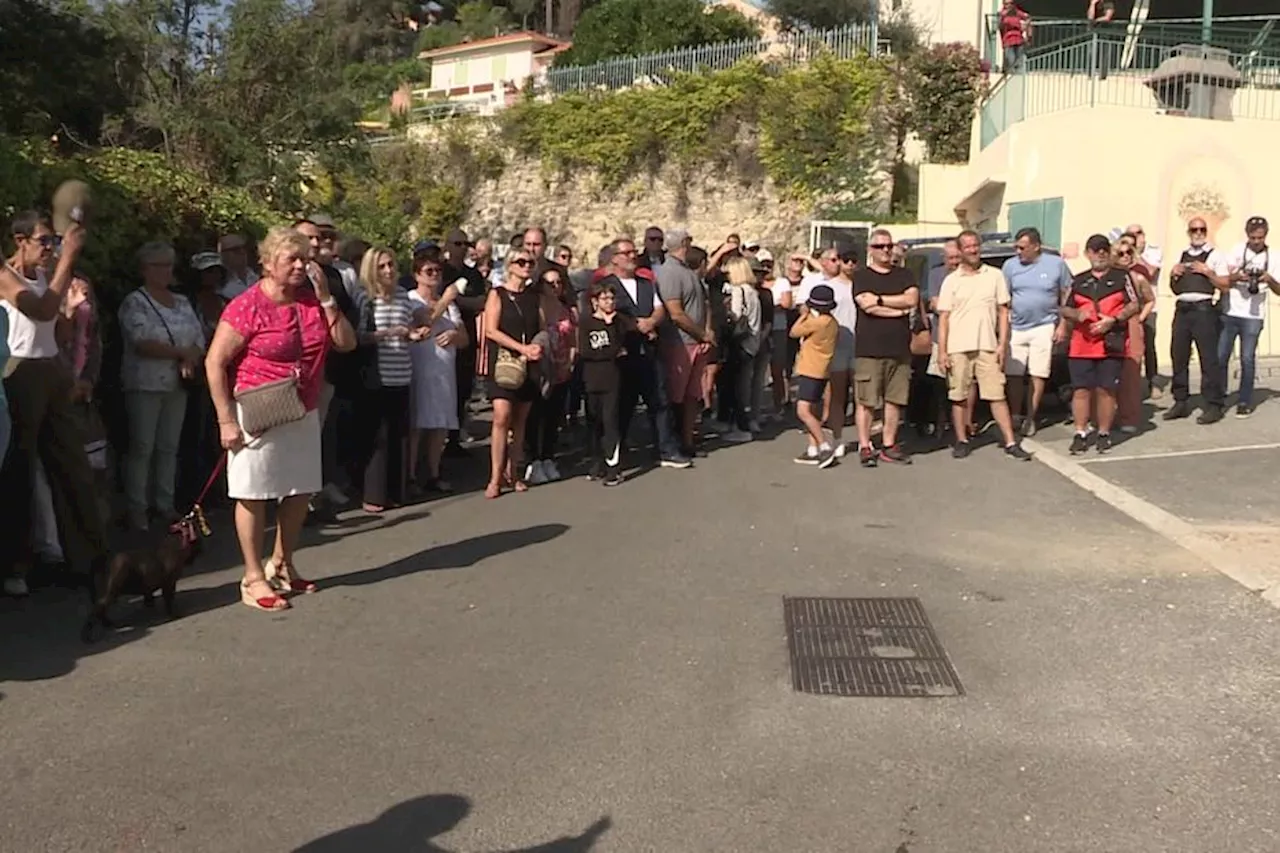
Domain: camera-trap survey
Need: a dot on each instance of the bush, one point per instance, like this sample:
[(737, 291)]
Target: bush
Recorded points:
[(137, 197), (943, 85)]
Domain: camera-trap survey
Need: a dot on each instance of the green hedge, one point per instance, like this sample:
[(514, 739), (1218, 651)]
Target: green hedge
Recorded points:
[(137, 197)]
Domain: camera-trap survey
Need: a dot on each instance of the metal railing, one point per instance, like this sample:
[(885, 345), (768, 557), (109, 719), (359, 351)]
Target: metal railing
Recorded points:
[(1096, 71), (655, 68), (1239, 33)]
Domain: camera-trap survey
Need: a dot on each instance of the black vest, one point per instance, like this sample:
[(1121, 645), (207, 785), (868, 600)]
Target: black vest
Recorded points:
[(1192, 282)]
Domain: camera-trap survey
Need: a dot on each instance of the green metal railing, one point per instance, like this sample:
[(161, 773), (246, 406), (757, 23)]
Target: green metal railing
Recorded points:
[(1239, 33), (656, 68), (1096, 71)]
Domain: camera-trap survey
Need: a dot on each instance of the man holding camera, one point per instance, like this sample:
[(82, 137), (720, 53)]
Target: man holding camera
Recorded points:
[(1245, 274)]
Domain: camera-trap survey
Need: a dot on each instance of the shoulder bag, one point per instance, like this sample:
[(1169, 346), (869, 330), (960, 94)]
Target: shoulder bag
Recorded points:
[(274, 403), (510, 371), (188, 382)]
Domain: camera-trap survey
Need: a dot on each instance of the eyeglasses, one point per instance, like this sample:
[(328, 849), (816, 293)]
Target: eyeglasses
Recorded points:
[(430, 270), (1197, 230), (48, 241), (521, 262), (880, 247), (328, 236)]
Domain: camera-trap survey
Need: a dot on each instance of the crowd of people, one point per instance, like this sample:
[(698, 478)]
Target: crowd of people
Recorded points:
[(334, 374)]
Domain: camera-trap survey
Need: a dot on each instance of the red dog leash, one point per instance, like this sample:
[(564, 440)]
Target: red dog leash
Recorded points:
[(197, 509)]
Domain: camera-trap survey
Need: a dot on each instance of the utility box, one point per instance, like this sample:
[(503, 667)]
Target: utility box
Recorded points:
[(1196, 81)]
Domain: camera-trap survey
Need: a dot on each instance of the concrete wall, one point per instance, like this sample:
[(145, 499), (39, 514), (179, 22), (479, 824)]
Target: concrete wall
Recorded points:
[(948, 20)]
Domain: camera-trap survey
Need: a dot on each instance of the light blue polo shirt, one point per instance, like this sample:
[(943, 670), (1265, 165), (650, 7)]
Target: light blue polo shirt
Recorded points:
[(1035, 290)]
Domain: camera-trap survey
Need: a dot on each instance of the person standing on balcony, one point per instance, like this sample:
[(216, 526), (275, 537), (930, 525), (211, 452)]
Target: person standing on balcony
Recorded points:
[(1101, 11), (1015, 35)]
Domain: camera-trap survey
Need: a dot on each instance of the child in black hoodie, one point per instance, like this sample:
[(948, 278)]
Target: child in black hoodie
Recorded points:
[(600, 337)]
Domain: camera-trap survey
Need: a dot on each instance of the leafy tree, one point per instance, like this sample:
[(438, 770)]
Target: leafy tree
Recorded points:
[(480, 19), (633, 27), (822, 14)]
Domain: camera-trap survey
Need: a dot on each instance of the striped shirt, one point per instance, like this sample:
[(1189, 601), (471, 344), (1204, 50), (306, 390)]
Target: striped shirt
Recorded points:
[(395, 360)]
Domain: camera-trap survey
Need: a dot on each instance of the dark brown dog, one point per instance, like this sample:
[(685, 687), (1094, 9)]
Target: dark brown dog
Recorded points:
[(146, 570)]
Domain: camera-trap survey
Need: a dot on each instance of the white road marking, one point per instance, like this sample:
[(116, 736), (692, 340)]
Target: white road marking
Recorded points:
[(1172, 454), (1248, 570)]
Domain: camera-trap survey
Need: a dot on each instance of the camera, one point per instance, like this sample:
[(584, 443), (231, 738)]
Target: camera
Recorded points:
[(1255, 281)]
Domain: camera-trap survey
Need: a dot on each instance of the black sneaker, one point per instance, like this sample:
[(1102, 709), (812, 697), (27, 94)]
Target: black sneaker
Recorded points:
[(1104, 442), (808, 458), (595, 473), (1210, 415), (960, 450), (1079, 444), (826, 458), (894, 454), (867, 456), (676, 460), (614, 479), (1243, 410), (1015, 451), (1179, 410)]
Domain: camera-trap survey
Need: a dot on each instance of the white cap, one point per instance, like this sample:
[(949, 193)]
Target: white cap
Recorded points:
[(206, 260), (747, 244), (764, 256)]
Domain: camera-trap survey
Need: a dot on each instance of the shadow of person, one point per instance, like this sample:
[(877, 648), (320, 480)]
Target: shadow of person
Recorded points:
[(409, 827), (452, 555)]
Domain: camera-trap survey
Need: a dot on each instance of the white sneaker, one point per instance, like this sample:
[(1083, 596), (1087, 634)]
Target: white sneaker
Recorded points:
[(534, 475), (550, 470), (838, 450), (737, 436), (16, 587)]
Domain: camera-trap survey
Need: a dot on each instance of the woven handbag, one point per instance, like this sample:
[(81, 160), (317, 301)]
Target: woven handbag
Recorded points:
[(510, 370), (270, 405)]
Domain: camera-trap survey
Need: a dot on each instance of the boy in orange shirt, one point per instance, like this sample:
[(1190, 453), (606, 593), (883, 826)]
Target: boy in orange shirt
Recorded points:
[(817, 331)]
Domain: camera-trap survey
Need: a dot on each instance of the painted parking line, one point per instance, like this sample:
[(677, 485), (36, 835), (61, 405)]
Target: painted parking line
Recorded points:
[(1260, 575), (1174, 454)]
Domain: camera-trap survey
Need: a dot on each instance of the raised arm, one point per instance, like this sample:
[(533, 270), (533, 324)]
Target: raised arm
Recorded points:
[(44, 307)]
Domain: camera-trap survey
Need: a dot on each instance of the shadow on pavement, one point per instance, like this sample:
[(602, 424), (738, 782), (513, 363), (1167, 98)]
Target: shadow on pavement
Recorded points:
[(409, 827), (40, 636)]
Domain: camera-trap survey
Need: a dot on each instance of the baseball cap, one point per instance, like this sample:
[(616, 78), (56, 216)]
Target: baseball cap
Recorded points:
[(764, 256), (424, 246), (206, 260), (322, 220), (1097, 243), (751, 244), (71, 203)]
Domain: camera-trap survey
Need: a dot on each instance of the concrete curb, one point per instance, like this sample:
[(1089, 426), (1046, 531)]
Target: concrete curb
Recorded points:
[(1250, 572)]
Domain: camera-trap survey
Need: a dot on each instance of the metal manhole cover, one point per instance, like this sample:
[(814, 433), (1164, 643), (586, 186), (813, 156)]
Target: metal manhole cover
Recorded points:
[(866, 647)]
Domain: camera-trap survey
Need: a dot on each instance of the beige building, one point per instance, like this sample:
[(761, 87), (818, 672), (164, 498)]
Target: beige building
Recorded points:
[(486, 75), (1074, 155)]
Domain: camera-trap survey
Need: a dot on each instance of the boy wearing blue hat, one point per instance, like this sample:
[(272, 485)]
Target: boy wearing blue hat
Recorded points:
[(817, 331)]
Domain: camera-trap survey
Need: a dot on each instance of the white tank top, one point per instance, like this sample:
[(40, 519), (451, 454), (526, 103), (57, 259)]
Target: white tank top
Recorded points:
[(29, 338)]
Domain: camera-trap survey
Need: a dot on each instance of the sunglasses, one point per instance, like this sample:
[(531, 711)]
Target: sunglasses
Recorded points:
[(48, 241), (1124, 253), (881, 247), (522, 262), (430, 270), (1197, 230)]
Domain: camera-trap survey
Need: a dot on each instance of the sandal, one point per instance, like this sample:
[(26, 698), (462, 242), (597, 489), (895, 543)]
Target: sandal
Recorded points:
[(272, 602), (291, 581)]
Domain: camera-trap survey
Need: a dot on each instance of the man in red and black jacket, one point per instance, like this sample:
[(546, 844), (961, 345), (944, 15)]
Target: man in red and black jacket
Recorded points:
[(1097, 308)]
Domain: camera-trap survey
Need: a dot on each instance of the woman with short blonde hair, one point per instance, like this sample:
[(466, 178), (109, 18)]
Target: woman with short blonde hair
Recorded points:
[(272, 339)]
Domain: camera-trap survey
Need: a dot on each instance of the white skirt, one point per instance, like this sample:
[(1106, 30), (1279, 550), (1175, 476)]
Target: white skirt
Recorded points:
[(282, 462)]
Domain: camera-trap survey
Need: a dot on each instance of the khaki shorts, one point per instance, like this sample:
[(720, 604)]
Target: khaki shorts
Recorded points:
[(877, 381), (968, 367), (1030, 352)]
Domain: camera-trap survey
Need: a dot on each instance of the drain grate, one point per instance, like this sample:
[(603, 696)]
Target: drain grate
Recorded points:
[(866, 647)]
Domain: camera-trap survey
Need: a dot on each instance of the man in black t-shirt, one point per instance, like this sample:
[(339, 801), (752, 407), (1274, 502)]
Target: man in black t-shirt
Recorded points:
[(473, 289), (885, 294)]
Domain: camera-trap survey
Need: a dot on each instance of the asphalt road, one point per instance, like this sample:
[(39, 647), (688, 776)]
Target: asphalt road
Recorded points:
[(579, 669)]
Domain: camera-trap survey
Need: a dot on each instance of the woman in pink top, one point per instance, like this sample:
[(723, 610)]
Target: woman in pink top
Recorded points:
[(283, 326)]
